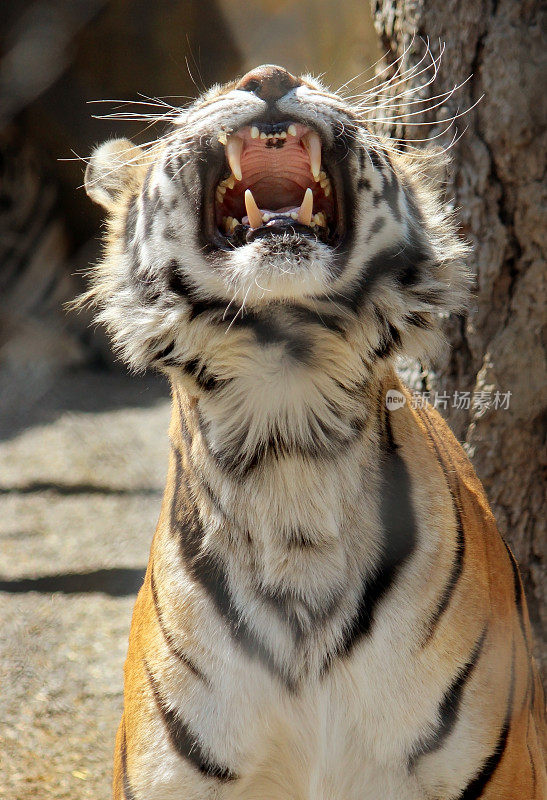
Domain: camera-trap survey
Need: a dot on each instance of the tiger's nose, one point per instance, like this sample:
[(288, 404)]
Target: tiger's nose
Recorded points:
[(269, 82)]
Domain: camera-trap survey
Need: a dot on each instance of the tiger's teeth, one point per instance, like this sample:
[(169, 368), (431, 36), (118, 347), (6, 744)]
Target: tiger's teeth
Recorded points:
[(253, 212), (234, 146), (305, 210), (320, 219), (255, 133), (312, 143)]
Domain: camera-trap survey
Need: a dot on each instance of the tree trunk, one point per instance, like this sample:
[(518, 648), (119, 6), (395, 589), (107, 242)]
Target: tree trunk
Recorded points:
[(496, 180)]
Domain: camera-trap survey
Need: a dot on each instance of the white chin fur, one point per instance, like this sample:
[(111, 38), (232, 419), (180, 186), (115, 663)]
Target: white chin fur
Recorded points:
[(258, 273)]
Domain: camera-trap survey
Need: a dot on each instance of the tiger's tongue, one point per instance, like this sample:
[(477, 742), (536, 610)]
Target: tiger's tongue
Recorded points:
[(278, 178)]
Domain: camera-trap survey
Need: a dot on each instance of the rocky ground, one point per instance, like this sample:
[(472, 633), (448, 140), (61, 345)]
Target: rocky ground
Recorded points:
[(82, 468)]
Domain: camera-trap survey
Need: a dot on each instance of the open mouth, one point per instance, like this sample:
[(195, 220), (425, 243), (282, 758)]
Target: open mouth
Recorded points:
[(274, 179)]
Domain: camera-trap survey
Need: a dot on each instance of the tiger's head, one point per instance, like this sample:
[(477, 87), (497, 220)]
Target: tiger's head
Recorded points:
[(269, 202)]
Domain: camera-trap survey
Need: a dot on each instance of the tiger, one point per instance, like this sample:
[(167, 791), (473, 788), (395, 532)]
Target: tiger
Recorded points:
[(329, 611)]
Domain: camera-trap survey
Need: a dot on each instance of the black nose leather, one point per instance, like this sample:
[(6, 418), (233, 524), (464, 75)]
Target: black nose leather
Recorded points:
[(269, 82)]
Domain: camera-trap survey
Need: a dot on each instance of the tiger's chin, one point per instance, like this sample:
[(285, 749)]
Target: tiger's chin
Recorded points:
[(284, 266)]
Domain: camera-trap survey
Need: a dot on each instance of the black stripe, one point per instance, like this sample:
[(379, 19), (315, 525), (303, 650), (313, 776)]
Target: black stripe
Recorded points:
[(196, 472), (391, 191), (127, 788), (399, 541), (453, 578), (418, 320), (376, 226), (376, 160), (285, 602), (268, 331), (475, 788), (209, 571), (183, 424), (518, 592), (214, 305), (309, 316), (234, 461), (266, 328), (204, 379), (390, 339), (172, 645), (459, 554), (164, 352), (185, 742), (195, 469), (179, 283), (400, 261), (449, 707)]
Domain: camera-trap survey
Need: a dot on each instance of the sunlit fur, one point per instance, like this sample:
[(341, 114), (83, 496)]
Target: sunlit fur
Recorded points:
[(329, 612)]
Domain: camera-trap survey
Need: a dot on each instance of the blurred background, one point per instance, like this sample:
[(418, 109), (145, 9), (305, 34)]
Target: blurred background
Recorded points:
[(83, 446)]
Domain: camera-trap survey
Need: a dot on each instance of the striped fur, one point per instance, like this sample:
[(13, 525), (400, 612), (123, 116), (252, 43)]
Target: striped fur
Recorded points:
[(329, 610)]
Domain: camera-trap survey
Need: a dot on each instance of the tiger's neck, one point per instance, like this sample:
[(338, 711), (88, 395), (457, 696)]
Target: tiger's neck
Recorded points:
[(285, 502)]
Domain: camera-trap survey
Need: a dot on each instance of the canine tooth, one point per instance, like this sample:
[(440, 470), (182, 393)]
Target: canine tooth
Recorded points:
[(255, 133), (234, 146), (305, 210), (291, 130), (263, 135), (253, 212), (312, 143)]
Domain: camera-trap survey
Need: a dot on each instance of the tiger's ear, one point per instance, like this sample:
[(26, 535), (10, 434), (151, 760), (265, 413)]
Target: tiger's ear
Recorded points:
[(112, 169)]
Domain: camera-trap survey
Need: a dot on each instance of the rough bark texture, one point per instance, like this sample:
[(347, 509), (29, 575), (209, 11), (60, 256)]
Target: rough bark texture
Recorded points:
[(497, 181)]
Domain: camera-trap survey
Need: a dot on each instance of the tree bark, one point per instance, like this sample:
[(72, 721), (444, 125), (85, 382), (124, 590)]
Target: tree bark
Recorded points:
[(496, 180)]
